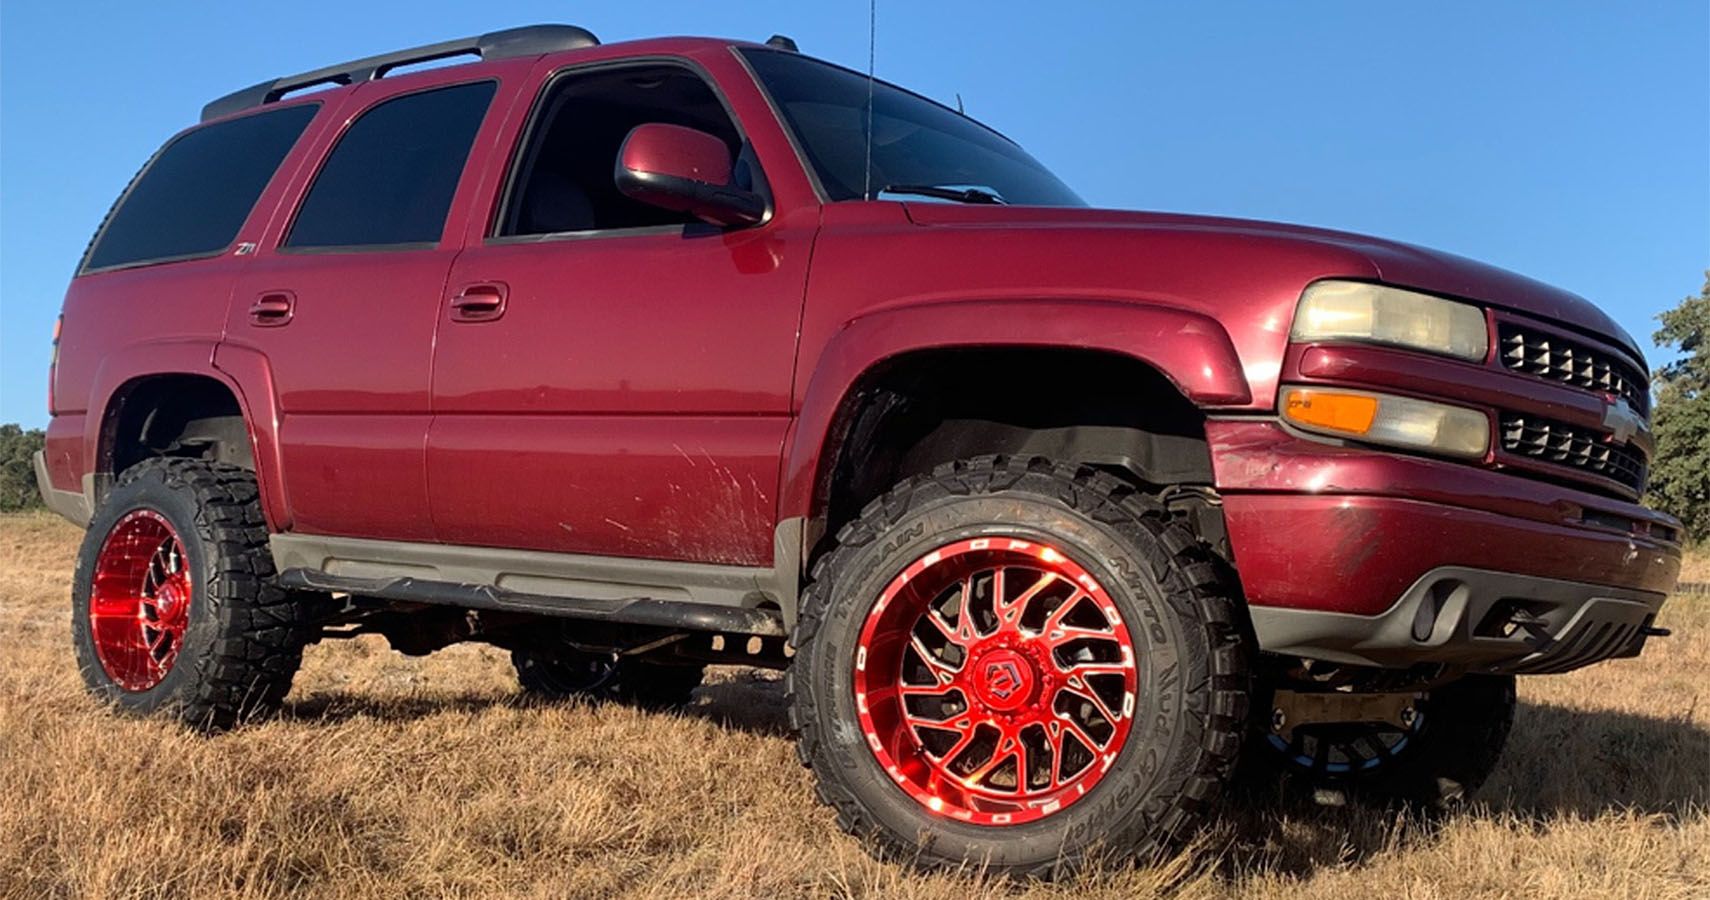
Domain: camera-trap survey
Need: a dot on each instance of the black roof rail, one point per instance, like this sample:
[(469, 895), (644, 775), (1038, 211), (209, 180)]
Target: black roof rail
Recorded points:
[(530, 40)]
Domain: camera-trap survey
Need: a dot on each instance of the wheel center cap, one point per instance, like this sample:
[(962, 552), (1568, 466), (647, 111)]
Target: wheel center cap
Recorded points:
[(1004, 680), (169, 595)]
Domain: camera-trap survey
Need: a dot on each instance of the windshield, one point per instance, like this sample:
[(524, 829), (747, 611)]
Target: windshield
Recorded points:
[(916, 143)]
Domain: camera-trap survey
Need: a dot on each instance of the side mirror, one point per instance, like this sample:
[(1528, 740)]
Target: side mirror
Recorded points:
[(682, 169)]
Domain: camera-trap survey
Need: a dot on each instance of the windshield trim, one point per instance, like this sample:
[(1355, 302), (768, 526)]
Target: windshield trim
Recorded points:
[(802, 162)]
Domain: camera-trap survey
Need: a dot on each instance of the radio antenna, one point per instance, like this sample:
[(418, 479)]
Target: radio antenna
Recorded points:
[(872, 31)]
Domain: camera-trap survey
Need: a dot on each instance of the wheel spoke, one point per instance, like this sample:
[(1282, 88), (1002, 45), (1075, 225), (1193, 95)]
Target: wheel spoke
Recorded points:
[(965, 617), (1012, 612), (1023, 766), (1054, 737), (926, 690), (1007, 748), (964, 737), (1091, 696), (1054, 622), (1070, 726), (952, 634), (941, 670), (1065, 635), (1087, 668)]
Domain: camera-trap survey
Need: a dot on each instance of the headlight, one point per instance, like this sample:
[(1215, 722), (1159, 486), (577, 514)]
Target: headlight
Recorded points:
[(1352, 310), (1386, 419)]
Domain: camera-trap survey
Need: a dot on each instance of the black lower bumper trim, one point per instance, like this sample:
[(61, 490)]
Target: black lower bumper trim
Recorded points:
[(1473, 619)]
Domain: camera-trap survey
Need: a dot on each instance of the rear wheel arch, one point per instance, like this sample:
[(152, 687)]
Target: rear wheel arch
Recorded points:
[(179, 414), (242, 373)]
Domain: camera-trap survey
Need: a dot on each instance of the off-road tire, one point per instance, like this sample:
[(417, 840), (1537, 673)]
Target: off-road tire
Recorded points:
[(245, 636), (572, 674), (1191, 708), (1463, 728)]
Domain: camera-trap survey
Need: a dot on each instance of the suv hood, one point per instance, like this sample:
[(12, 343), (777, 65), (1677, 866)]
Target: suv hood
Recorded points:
[(1399, 264)]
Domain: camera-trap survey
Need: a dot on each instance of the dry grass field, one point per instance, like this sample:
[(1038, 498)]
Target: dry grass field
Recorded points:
[(389, 777)]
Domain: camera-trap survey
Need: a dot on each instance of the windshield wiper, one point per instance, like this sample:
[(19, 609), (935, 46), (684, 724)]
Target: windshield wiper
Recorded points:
[(958, 194)]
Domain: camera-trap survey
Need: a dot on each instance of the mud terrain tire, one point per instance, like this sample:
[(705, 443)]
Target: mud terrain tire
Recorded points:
[(1189, 709)]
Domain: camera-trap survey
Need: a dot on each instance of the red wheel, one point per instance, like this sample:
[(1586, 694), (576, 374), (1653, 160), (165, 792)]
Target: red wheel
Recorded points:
[(1007, 663), (995, 681), (174, 607), (140, 603)]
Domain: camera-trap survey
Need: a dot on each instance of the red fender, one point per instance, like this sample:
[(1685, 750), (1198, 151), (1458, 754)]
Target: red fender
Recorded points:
[(243, 372), (1191, 350)]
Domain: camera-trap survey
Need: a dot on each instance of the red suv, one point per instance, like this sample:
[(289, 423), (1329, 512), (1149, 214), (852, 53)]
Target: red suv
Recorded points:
[(630, 359)]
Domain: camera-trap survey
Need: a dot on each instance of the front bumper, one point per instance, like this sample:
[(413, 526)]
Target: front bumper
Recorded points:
[(1344, 551), (1476, 620)]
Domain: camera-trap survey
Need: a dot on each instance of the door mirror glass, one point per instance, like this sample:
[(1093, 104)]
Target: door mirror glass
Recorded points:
[(678, 168)]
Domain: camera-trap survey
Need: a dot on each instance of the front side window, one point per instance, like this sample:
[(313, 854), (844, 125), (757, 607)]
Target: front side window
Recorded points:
[(390, 179), (193, 197), (916, 143), (564, 181)]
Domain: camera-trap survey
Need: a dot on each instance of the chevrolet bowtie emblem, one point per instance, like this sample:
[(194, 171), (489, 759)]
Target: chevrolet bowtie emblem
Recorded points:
[(1621, 421)]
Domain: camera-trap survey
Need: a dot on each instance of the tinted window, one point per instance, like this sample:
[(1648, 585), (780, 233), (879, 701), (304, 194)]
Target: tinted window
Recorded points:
[(391, 177), (192, 199), (564, 180), (915, 141)]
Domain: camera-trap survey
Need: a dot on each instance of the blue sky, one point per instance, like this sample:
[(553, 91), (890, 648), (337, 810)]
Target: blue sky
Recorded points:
[(1566, 140)]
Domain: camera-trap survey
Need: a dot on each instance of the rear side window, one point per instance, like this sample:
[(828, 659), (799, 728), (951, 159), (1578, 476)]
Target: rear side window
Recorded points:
[(390, 179), (194, 196)]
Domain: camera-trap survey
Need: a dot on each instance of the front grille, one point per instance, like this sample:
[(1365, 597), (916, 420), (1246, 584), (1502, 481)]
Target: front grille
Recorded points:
[(1574, 448), (1559, 359)]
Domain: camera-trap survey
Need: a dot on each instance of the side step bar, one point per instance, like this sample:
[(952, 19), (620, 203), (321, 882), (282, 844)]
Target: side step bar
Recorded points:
[(627, 610)]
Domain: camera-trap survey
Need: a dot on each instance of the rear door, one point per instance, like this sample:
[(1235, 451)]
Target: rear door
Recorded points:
[(342, 295), (610, 378)]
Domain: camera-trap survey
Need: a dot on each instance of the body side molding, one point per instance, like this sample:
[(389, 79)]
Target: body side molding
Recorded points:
[(719, 598)]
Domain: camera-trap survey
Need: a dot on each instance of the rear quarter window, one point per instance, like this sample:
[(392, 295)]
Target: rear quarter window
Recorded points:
[(192, 198)]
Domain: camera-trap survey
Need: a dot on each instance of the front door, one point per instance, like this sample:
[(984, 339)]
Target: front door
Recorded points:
[(611, 378)]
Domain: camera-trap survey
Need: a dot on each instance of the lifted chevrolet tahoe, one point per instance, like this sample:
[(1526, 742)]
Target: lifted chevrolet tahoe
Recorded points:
[(631, 359)]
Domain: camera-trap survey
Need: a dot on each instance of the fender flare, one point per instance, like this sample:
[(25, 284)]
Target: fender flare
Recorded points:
[(235, 368), (1192, 350)]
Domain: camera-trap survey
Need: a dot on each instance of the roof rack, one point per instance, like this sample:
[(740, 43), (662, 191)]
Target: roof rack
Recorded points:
[(531, 40)]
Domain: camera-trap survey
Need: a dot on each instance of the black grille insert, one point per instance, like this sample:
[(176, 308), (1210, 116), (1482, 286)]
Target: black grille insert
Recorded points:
[(1574, 448), (1559, 359)]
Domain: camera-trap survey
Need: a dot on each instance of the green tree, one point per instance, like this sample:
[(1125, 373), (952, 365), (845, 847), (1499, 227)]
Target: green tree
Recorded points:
[(17, 474), (1680, 474)]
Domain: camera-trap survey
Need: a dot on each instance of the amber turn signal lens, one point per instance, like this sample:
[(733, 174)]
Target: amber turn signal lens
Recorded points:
[(1352, 413), (1388, 419)]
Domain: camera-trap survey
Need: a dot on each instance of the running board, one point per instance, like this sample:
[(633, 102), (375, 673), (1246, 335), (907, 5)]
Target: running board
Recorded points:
[(626, 610)]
